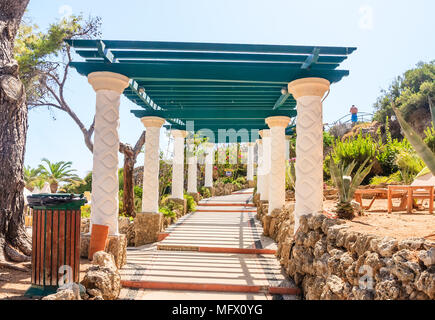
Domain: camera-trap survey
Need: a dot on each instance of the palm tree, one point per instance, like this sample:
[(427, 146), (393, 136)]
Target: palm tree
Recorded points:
[(31, 176), (56, 172)]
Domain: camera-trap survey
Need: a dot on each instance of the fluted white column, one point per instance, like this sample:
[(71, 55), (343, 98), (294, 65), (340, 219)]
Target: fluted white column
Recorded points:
[(265, 135), (277, 127), (104, 205), (308, 93), (260, 175), (178, 164), (209, 161), (250, 165), (192, 169), (150, 195)]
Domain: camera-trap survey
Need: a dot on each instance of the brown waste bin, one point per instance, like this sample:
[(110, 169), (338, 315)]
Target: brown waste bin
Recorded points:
[(55, 241)]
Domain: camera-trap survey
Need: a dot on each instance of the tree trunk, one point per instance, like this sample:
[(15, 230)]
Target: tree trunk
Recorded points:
[(128, 196), (13, 129)]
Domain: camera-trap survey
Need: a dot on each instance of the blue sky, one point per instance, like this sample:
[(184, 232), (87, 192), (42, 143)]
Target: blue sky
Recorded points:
[(391, 36)]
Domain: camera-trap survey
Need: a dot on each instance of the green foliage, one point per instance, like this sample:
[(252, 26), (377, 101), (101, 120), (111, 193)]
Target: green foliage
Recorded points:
[(31, 176), (354, 150), (290, 175), (85, 211), (430, 138), (205, 192), (191, 204), (56, 172), (167, 212), (394, 177), (346, 185), (410, 92), (419, 145), (37, 52), (328, 139)]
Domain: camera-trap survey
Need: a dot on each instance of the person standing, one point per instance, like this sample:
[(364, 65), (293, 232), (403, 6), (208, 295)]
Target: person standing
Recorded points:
[(354, 112)]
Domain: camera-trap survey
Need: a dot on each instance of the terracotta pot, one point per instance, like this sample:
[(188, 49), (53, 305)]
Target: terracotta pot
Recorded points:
[(99, 235)]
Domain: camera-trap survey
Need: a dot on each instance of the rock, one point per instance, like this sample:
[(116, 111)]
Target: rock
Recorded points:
[(362, 294), (333, 231), (85, 225), (303, 223), (357, 208), (362, 244), (321, 265), (313, 287), (427, 257), (387, 246), (315, 221), (387, 290), (62, 295), (334, 289), (312, 238), (327, 223), (426, 282), (123, 224), (411, 244), (146, 227), (78, 289), (104, 276), (319, 248)]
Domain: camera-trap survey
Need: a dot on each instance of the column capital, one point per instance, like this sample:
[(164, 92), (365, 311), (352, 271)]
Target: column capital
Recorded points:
[(108, 81), (277, 121), (308, 87), (179, 133), (259, 141), (264, 133), (152, 121)]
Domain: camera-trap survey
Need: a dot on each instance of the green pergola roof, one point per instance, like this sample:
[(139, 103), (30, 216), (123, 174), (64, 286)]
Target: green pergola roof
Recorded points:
[(218, 86)]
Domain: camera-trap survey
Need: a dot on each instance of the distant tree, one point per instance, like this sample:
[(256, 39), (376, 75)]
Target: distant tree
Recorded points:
[(57, 172), (45, 60), (409, 92), (15, 244), (31, 175)]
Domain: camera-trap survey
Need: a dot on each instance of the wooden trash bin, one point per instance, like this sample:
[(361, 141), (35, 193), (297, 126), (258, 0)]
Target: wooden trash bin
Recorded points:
[(55, 241)]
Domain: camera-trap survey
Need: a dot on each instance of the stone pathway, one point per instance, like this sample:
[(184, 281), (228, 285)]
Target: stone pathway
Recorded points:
[(217, 252)]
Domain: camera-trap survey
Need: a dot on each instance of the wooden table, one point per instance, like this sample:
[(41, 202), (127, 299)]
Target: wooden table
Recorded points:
[(378, 193), (411, 192)]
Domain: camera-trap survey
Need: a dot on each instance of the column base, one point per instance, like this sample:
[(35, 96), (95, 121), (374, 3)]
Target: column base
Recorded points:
[(116, 245), (263, 207), (146, 227), (251, 184), (196, 196)]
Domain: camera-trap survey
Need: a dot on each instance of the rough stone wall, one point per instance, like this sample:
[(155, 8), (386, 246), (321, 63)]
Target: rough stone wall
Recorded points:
[(330, 262), (224, 189)]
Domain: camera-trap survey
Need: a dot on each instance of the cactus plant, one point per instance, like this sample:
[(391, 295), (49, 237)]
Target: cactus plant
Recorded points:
[(420, 147), (347, 186)]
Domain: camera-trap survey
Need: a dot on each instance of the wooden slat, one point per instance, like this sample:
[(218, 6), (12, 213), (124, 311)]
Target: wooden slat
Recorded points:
[(61, 239), (34, 245), (48, 238), (68, 238), (77, 258), (55, 249), (41, 247)]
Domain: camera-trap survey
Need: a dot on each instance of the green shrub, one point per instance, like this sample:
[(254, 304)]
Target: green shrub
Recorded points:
[(191, 204), (394, 177), (167, 212), (85, 211), (205, 192)]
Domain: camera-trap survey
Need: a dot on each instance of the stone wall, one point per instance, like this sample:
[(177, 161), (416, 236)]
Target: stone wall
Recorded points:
[(330, 262), (224, 189)]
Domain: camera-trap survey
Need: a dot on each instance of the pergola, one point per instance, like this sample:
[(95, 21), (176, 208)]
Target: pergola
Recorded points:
[(223, 91)]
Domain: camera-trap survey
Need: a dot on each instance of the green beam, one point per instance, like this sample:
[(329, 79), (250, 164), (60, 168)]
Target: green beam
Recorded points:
[(191, 71), (213, 114), (197, 46), (312, 59), (281, 100), (105, 53)]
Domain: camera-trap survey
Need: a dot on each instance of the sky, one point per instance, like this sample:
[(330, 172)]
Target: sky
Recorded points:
[(392, 36)]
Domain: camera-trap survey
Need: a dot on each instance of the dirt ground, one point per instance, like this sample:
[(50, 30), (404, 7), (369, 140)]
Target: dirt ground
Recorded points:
[(14, 283), (398, 224)]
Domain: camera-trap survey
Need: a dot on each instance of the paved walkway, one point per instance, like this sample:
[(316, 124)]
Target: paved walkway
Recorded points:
[(217, 252)]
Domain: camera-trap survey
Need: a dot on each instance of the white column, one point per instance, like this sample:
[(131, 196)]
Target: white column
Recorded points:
[(150, 194), (178, 164), (308, 93), (209, 161), (277, 127), (104, 205), (192, 169), (265, 135), (250, 165), (260, 176)]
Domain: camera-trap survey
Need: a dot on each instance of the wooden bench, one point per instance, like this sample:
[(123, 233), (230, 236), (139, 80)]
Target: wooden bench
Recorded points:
[(412, 193), (379, 193)]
